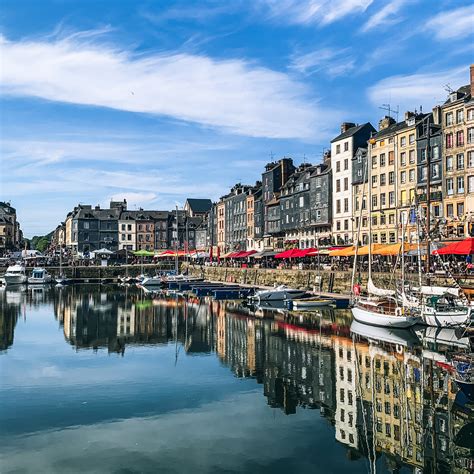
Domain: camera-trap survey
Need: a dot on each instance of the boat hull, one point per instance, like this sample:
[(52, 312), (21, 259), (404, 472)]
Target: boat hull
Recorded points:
[(447, 319), (40, 281), (385, 320), (467, 388), (15, 279), (279, 295), (302, 304)]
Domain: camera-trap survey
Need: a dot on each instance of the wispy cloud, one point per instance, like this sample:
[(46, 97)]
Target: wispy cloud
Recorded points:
[(385, 16), (233, 94), (332, 61), (452, 24), (306, 12), (413, 90)]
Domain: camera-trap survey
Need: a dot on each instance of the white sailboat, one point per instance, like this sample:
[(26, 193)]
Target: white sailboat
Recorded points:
[(381, 307)]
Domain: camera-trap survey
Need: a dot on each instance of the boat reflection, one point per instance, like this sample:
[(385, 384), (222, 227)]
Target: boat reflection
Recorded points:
[(386, 392)]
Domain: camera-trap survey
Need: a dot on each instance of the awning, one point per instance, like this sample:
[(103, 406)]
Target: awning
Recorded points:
[(291, 253), (343, 252), (394, 249), (144, 253), (465, 247), (245, 254)]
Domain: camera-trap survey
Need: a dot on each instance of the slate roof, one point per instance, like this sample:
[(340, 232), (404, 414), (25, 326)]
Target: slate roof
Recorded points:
[(199, 205), (352, 131)]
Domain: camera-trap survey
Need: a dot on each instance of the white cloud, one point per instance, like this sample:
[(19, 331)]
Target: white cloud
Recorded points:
[(334, 62), (411, 91), (385, 16), (453, 24), (315, 11), (235, 95)]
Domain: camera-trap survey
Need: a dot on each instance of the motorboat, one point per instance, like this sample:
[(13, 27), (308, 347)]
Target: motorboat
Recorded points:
[(279, 293), (39, 276), (383, 312), (15, 275), (152, 281)]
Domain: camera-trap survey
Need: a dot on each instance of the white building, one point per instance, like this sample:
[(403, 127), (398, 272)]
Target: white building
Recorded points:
[(343, 148), (127, 230)]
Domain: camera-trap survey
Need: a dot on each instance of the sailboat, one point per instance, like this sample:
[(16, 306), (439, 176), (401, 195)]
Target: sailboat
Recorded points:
[(382, 306), (62, 279)]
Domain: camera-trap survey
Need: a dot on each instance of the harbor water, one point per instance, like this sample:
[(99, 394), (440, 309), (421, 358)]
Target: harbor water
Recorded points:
[(111, 379)]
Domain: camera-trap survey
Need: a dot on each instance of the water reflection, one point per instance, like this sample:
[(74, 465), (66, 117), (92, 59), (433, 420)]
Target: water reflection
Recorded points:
[(386, 393)]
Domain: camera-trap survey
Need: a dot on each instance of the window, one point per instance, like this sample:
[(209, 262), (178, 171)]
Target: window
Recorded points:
[(346, 184), (338, 166), (411, 176), (435, 152), (470, 135), (346, 224), (449, 118), (470, 184), (460, 138), (470, 114), (392, 240), (391, 177), (391, 200), (449, 140), (460, 161), (460, 209), (470, 159), (374, 220), (338, 185), (383, 235), (403, 177), (449, 210), (403, 141), (411, 157), (356, 203), (346, 205), (459, 116), (450, 186), (403, 158), (460, 184), (374, 201), (449, 163), (382, 159), (403, 197), (383, 201), (374, 181), (391, 157), (338, 225), (123, 226), (383, 179), (411, 138), (346, 164), (346, 146), (374, 161), (338, 148), (338, 206)]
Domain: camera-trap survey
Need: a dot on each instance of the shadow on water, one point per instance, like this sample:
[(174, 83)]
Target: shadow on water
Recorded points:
[(386, 398)]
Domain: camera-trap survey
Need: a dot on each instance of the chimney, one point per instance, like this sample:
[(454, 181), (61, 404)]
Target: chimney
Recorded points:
[(472, 80), (386, 122), (345, 126), (437, 115), (408, 115)]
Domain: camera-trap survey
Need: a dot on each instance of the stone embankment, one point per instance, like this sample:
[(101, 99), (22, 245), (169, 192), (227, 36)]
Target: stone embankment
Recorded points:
[(325, 280)]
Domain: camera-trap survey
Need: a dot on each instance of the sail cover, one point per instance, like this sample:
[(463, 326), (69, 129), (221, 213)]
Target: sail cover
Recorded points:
[(372, 289), (439, 290)]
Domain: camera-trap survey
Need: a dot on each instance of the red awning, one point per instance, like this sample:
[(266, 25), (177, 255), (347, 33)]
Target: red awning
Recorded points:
[(307, 252), (292, 253), (245, 254), (465, 247)]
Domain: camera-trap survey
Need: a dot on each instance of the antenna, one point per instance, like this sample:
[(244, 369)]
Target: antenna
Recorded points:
[(389, 110), (271, 155), (448, 88)]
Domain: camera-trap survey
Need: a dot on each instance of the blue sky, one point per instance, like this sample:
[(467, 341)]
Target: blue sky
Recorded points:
[(156, 101)]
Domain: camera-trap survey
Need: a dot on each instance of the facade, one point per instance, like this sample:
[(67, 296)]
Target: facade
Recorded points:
[(11, 236), (343, 148), (321, 202), (457, 121), (197, 207), (236, 217), (127, 226)]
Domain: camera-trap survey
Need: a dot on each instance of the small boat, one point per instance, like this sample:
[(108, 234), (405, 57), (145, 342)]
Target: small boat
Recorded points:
[(62, 280), (383, 312), (279, 293), (401, 337), (15, 275), (39, 276), (464, 374), (308, 303)]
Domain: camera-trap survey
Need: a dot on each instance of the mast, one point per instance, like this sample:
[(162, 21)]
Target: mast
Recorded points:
[(369, 164), (186, 247), (176, 244)]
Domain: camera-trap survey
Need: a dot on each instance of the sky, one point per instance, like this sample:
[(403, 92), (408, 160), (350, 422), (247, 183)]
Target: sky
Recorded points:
[(157, 101)]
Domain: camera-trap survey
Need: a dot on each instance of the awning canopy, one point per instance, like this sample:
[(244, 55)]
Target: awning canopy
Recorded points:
[(102, 251), (465, 247), (343, 252), (291, 253), (264, 253), (394, 249), (144, 253), (245, 254)]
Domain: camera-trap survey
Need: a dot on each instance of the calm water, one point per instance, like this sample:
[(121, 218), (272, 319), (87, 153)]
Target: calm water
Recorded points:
[(112, 380)]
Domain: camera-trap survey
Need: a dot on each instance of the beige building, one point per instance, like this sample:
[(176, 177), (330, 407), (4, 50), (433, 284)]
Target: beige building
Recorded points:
[(10, 232), (221, 234), (457, 119)]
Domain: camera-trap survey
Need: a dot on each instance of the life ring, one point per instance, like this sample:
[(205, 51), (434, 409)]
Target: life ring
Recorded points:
[(399, 348), (398, 311)]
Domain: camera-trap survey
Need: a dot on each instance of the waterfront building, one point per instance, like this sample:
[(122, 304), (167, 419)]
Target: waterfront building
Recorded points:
[(457, 121), (273, 178), (145, 225), (11, 236), (197, 207), (221, 232), (236, 217), (127, 231), (343, 148), (320, 187), (254, 218)]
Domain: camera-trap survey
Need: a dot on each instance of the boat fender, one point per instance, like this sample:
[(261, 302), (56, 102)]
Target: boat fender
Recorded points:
[(398, 311)]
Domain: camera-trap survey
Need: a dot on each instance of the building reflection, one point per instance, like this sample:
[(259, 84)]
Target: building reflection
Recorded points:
[(389, 395)]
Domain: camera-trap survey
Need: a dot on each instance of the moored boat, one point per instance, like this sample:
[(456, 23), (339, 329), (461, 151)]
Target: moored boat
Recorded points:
[(383, 312), (15, 275), (313, 302), (279, 293), (39, 276)]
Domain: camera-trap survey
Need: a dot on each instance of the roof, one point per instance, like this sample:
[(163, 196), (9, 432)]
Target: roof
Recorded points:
[(396, 127), (199, 205), (464, 92), (352, 131)]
